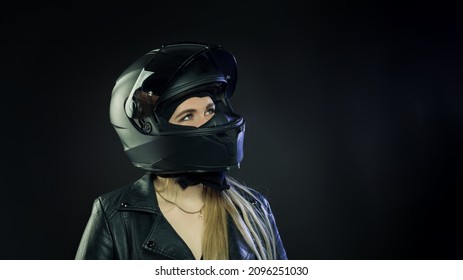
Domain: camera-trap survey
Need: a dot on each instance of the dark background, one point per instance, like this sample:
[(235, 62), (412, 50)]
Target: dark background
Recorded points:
[(354, 119)]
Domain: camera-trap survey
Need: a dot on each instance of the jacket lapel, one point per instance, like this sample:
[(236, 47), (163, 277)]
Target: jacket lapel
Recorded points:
[(162, 239)]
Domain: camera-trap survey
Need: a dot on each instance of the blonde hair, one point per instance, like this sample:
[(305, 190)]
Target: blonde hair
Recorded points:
[(250, 217)]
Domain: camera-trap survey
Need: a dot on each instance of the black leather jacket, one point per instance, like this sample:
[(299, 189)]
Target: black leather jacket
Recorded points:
[(127, 224)]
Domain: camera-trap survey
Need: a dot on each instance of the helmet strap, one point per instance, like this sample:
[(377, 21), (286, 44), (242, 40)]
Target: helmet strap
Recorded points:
[(216, 180)]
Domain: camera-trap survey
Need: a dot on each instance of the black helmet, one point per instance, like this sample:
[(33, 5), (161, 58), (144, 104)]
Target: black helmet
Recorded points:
[(162, 77)]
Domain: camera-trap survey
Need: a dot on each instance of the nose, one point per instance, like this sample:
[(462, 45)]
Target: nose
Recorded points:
[(202, 120)]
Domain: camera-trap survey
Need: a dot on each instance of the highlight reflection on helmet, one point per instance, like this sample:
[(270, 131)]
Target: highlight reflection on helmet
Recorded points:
[(147, 93)]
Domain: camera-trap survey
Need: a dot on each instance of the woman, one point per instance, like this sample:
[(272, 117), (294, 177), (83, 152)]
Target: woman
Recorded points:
[(172, 113)]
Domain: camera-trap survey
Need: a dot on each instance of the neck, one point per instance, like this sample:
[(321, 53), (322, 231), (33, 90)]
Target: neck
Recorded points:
[(173, 191)]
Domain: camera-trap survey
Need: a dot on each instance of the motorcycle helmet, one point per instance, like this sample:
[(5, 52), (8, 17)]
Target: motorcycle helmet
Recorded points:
[(144, 95)]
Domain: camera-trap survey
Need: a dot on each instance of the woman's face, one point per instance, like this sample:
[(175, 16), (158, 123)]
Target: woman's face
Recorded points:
[(195, 111)]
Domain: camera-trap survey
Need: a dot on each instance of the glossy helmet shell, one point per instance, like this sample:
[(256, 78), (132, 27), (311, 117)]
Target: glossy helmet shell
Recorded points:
[(163, 76)]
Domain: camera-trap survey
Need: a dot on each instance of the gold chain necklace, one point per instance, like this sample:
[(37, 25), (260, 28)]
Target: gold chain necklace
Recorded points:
[(173, 203)]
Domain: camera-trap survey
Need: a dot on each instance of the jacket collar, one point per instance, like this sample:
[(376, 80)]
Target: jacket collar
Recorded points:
[(162, 238), (140, 196)]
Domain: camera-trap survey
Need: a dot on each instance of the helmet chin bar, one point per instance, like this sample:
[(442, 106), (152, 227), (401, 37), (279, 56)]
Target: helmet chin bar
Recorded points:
[(215, 151)]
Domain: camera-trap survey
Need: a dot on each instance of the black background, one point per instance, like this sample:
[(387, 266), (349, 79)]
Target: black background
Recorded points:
[(354, 119)]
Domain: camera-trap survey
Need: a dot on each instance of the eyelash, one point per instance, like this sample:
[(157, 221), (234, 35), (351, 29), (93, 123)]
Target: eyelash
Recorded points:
[(209, 111), (183, 119)]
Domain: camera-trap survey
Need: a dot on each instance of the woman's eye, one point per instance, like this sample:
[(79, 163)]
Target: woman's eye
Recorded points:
[(210, 111), (186, 117)]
